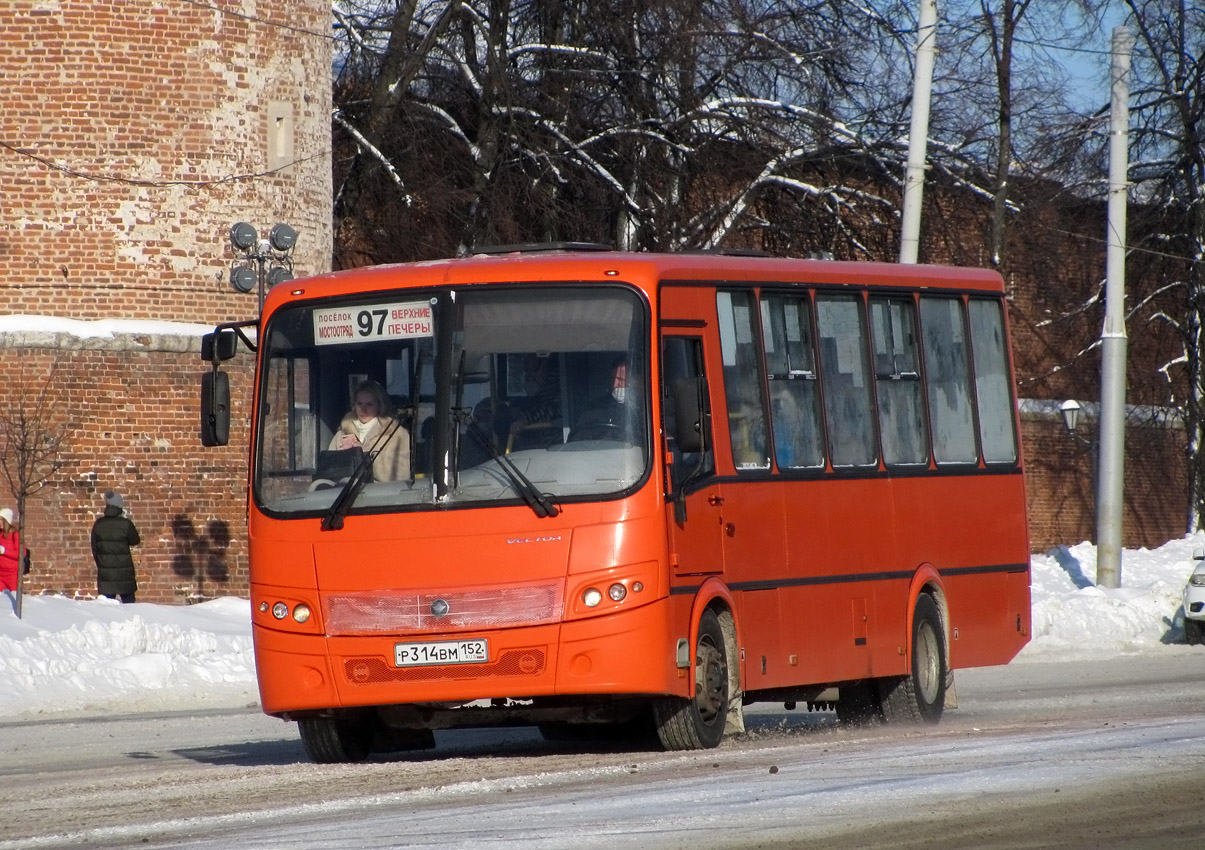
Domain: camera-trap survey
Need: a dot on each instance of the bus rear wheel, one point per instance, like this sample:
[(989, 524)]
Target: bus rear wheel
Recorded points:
[(920, 696), (698, 723), (341, 738)]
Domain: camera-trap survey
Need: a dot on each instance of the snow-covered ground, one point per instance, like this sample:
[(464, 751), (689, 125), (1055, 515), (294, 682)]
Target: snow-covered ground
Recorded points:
[(70, 655)]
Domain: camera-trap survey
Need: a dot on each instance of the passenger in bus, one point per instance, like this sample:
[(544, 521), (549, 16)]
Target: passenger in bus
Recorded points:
[(371, 424), (618, 415), (796, 443)]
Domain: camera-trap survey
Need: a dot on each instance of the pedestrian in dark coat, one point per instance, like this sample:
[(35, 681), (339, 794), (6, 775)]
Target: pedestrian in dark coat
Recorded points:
[(113, 534)]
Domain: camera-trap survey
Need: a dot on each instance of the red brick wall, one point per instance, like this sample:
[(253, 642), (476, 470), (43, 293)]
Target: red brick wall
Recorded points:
[(135, 429), (1059, 484), (133, 133)]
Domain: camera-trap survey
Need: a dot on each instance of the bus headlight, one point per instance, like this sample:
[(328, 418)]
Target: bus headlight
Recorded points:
[(301, 613), (617, 592), (280, 610), (591, 597)]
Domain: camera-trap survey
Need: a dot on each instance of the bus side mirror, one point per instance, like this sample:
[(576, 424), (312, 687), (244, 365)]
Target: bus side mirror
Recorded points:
[(215, 408), (219, 345), (689, 430)]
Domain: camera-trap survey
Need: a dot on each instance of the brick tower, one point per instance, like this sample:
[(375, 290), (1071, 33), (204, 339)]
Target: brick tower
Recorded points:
[(133, 134)]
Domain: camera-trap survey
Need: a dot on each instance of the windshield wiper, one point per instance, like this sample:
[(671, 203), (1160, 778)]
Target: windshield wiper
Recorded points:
[(333, 521), (540, 503)]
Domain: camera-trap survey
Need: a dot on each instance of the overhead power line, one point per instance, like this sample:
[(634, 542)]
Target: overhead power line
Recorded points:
[(138, 181), (266, 21)]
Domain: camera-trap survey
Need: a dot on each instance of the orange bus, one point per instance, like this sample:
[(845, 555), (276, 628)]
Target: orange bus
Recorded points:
[(590, 490)]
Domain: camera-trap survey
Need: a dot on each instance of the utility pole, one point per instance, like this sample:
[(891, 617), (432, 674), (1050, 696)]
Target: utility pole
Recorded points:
[(918, 135), (1113, 342)]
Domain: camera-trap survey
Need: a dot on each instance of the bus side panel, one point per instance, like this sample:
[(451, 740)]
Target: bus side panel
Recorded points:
[(986, 626), (842, 616), (755, 564), (971, 528)]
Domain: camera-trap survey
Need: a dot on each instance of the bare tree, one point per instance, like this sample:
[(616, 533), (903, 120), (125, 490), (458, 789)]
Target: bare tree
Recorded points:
[(34, 435), (1168, 173), (648, 125), (1004, 96)]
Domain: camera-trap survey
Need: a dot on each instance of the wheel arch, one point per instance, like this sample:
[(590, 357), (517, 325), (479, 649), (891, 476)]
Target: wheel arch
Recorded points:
[(714, 595), (927, 580)]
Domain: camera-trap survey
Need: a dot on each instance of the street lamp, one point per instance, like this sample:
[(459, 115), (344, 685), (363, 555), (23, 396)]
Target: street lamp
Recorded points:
[(261, 262), (1070, 410)]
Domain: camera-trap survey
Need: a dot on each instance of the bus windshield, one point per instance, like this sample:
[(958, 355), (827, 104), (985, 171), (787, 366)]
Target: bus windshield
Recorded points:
[(435, 398)]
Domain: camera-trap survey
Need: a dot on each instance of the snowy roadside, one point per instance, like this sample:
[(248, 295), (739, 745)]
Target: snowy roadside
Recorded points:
[(71, 656)]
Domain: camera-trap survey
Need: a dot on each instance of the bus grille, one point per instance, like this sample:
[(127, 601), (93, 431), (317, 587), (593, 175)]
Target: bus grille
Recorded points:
[(513, 662), (395, 613)]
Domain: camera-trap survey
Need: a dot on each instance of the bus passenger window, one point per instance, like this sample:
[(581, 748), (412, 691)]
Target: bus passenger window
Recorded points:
[(948, 375), (791, 369), (742, 381), (992, 382), (844, 376), (897, 380)]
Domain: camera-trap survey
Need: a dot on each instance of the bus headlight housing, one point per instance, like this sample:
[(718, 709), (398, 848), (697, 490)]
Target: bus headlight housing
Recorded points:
[(612, 590)]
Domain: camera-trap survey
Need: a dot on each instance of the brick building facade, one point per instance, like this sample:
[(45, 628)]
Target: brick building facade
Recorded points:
[(133, 133)]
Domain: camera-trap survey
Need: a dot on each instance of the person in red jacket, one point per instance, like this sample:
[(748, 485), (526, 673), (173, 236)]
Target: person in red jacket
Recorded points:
[(10, 551)]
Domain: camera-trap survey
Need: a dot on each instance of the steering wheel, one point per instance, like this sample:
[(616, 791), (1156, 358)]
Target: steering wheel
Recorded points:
[(325, 484)]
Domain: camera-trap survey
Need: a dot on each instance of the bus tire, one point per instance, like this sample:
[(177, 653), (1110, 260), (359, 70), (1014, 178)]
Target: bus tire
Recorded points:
[(920, 696), (1194, 632), (332, 740), (698, 723)]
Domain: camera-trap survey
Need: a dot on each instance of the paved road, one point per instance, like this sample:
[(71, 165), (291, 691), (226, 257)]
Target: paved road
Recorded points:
[(1088, 754)]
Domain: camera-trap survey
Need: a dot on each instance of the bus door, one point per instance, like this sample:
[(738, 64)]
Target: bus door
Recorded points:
[(695, 506)]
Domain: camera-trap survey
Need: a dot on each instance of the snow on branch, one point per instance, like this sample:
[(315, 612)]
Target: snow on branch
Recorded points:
[(574, 150), (374, 151)]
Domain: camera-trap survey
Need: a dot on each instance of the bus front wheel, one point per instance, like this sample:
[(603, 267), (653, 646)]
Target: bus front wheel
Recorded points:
[(698, 723), (920, 696), (342, 738)]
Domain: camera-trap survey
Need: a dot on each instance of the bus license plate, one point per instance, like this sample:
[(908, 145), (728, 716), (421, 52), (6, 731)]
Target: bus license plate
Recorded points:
[(442, 652)]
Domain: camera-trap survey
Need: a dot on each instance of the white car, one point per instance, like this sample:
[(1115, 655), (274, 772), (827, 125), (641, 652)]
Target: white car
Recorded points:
[(1194, 602)]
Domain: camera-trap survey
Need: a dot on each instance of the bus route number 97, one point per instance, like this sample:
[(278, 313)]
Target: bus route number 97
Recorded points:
[(442, 652)]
